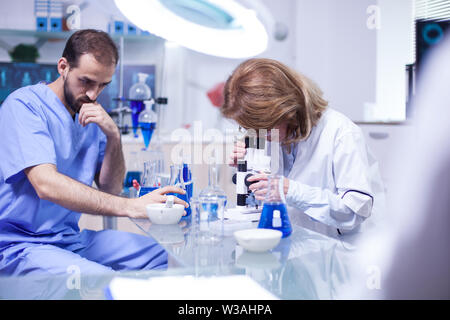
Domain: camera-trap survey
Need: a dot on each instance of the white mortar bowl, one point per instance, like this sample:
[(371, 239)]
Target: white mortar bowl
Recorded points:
[(258, 240)]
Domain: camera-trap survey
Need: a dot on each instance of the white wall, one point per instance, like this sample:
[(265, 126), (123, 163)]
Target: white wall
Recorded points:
[(361, 69), (335, 48), (394, 52)]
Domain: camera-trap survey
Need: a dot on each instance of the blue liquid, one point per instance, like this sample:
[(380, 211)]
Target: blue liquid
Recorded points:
[(145, 190), (136, 107), (187, 177), (147, 131), (267, 218), (131, 175), (212, 209), (184, 197)]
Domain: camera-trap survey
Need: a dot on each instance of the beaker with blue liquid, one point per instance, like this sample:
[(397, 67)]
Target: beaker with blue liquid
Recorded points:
[(149, 178), (274, 214), (177, 180)]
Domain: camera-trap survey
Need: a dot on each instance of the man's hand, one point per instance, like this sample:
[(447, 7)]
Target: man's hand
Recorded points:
[(156, 196), (94, 113)]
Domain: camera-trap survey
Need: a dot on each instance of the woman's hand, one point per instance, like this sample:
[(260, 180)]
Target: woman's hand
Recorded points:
[(237, 154), (156, 196), (259, 188)]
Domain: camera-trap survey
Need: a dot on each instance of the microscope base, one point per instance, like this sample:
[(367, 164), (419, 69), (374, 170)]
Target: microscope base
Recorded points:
[(243, 214)]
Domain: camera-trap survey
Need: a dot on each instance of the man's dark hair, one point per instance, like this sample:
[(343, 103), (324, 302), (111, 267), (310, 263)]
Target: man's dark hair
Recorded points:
[(95, 42)]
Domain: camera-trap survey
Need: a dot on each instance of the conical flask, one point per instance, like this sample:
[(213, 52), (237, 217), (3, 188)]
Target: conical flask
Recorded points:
[(274, 214)]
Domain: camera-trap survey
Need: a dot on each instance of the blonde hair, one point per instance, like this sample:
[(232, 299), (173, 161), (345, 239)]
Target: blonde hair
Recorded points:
[(263, 93)]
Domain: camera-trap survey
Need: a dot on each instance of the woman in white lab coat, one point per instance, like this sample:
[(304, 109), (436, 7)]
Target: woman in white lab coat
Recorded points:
[(331, 181)]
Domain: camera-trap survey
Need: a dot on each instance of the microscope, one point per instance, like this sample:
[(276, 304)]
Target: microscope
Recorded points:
[(255, 161)]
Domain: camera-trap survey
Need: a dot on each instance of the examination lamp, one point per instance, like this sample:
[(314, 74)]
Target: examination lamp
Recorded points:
[(222, 28)]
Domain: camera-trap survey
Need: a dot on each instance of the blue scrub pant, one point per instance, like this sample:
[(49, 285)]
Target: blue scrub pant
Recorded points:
[(96, 252)]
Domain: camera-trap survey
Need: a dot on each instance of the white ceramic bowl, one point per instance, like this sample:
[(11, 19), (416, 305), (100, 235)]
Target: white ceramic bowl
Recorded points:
[(159, 214), (258, 240)]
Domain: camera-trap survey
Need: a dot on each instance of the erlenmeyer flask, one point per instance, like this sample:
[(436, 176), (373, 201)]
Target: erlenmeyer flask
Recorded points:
[(274, 214)]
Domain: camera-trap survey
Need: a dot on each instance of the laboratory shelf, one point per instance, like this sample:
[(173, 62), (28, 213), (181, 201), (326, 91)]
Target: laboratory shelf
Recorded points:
[(67, 34)]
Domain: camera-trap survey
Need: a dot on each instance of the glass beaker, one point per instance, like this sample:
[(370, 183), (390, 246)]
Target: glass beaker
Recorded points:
[(149, 179), (274, 214), (208, 218), (176, 179)]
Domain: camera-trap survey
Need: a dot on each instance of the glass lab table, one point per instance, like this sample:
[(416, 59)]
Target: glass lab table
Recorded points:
[(305, 265)]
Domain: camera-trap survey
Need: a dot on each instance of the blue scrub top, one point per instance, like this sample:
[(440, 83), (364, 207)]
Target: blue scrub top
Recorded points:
[(36, 128)]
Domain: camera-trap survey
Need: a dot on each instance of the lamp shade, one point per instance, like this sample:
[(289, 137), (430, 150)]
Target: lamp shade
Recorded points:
[(222, 28)]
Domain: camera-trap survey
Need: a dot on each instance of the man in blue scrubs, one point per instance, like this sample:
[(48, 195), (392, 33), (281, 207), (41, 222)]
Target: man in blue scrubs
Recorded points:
[(55, 141)]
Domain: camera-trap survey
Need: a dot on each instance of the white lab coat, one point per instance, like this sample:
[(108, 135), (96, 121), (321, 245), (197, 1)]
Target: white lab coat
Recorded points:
[(334, 180)]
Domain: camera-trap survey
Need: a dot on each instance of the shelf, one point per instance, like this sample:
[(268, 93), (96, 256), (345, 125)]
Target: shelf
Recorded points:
[(66, 34)]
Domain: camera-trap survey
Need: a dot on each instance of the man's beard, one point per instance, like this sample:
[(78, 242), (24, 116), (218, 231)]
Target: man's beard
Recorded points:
[(74, 104)]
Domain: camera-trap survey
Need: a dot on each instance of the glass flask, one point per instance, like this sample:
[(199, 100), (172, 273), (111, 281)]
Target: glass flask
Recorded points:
[(140, 90), (213, 192), (274, 214), (133, 172), (137, 94), (176, 179), (147, 122), (149, 179), (209, 207)]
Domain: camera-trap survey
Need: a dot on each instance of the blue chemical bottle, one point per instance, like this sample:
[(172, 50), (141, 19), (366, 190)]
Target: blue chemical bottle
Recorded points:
[(187, 178), (176, 179), (274, 214)]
